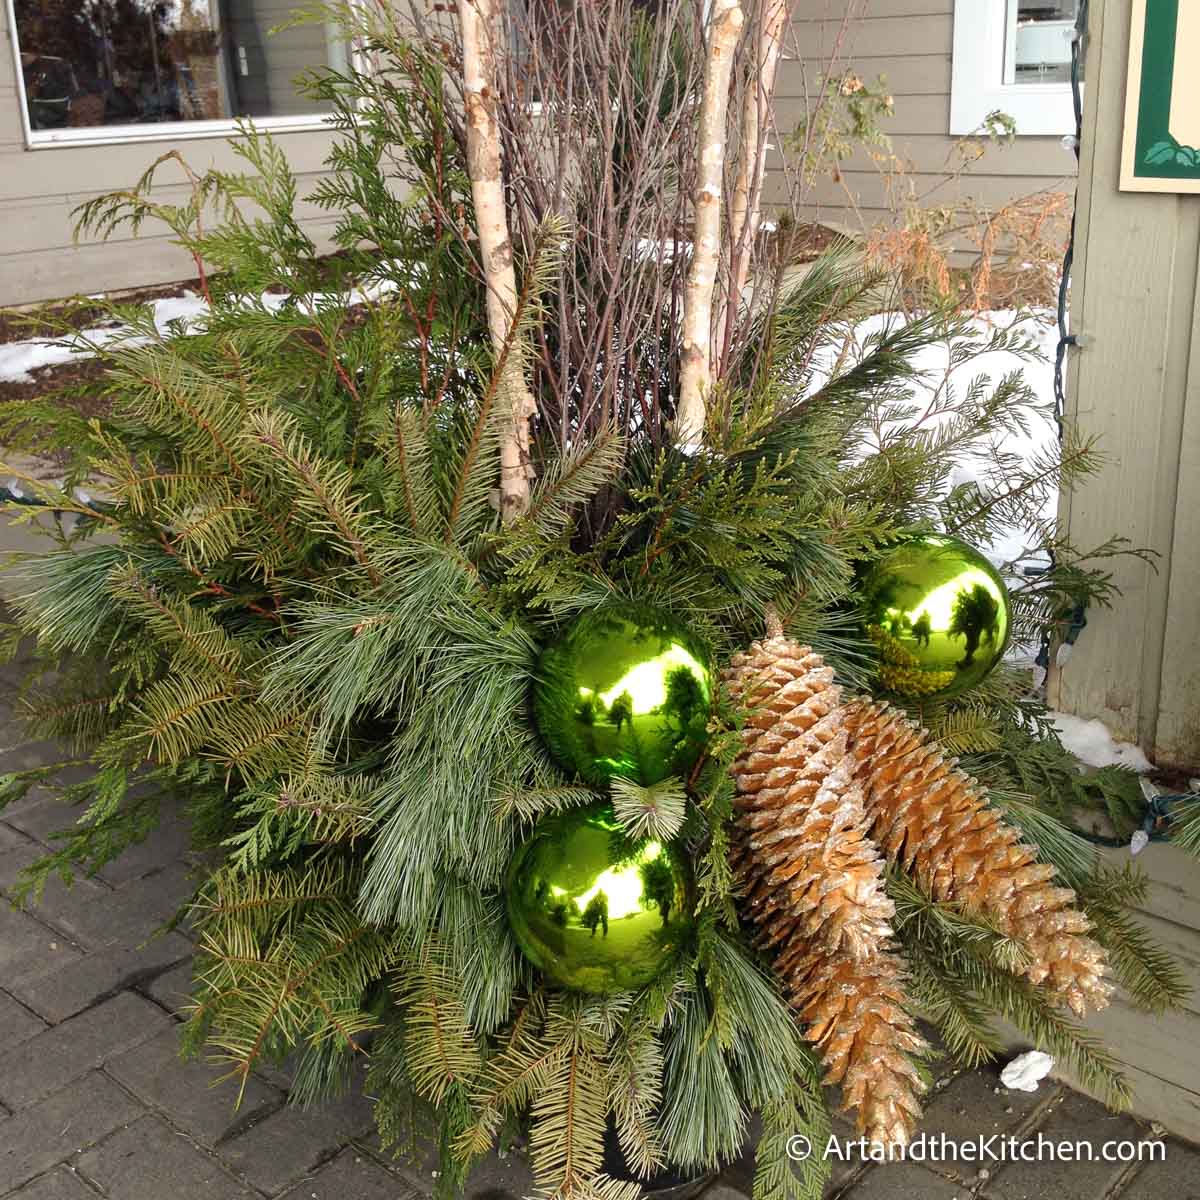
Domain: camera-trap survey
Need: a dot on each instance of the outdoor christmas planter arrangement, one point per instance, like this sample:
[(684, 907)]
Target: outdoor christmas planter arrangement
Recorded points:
[(567, 628)]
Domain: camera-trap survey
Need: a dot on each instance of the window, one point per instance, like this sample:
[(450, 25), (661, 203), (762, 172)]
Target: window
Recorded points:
[(1015, 56), (112, 70), (1038, 42)]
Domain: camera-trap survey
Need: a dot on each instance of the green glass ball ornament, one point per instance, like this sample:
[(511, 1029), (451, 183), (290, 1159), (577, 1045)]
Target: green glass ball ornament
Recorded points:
[(939, 613), (593, 909), (624, 693)]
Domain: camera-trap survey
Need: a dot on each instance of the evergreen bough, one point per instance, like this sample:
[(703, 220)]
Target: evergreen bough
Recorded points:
[(289, 602)]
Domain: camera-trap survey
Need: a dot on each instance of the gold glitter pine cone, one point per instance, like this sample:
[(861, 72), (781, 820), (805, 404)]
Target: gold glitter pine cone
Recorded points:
[(814, 888), (823, 786), (936, 822)]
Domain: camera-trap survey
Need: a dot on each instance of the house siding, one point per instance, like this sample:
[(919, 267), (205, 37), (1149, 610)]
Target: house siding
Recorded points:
[(910, 43), (40, 188), (1135, 383)]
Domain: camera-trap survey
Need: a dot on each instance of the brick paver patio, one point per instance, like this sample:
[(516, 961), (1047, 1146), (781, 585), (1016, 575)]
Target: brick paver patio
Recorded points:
[(94, 1100)]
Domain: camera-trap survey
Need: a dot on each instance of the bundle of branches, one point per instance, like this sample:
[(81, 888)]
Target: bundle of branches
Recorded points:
[(341, 513)]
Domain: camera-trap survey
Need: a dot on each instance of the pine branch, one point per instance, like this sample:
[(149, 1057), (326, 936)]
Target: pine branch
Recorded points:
[(656, 811)]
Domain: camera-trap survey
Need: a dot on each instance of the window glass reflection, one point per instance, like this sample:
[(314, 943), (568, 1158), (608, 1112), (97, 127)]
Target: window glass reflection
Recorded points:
[(1039, 39), (135, 62)]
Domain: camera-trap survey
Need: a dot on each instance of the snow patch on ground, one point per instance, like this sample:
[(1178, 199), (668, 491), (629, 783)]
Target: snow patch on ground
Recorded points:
[(1092, 743), (188, 308), (18, 360)]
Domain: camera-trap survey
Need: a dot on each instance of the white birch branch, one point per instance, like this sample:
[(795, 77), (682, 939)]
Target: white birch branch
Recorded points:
[(479, 33), (696, 357), (756, 110)]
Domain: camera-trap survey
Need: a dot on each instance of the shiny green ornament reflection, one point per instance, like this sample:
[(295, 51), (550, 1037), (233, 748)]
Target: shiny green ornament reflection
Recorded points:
[(939, 614), (624, 693), (594, 910)]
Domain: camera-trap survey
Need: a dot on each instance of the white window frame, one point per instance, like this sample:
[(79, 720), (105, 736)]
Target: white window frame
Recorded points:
[(977, 87), (124, 135)]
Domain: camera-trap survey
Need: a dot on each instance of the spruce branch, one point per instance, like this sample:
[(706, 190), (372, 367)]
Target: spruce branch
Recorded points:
[(634, 1092), (1152, 978), (441, 1051), (567, 1141), (322, 490)]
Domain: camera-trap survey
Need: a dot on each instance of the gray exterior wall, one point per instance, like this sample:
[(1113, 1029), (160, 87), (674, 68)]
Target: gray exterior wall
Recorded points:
[(39, 188), (1136, 384), (910, 42)]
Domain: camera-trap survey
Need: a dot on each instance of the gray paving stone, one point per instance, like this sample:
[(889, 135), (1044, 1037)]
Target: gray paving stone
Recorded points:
[(292, 1142), (1075, 1119), (51, 1059), (60, 994), (38, 1138), (974, 1106), (17, 1023), (62, 1184), (9, 837), (281, 1075), (17, 754), (156, 1074), (494, 1176), (59, 902), (1177, 1177), (168, 843), (44, 815), (15, 856), (351, 1175), (27, 945), (100, 918), (150, 1161), (497, 1176), (172, 989), (904, 1181)]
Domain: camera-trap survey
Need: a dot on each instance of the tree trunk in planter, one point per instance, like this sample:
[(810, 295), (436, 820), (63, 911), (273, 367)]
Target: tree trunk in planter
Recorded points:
[(480, 29)]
